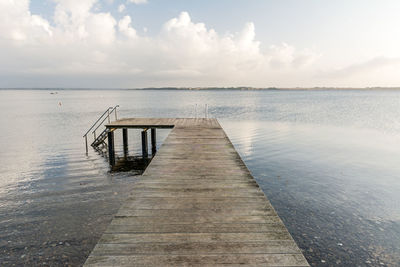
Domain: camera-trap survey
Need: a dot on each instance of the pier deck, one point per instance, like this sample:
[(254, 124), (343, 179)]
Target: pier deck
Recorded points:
[(195, 205)]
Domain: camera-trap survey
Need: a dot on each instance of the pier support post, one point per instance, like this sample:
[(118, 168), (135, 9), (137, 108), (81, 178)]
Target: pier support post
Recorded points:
[(153, 141), (111, 150), (125, 141), (145, 152)]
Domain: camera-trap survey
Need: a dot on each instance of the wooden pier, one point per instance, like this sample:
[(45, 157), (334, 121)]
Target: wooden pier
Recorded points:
[(195, 205)]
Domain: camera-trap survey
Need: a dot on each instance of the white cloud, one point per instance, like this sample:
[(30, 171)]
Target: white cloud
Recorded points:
[(86, 48), (18, 24), (76, 22), (138, 2), (121, 8), (124, 26)]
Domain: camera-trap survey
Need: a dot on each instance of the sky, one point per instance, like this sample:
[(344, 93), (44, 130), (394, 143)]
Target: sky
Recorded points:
[(188, 43)]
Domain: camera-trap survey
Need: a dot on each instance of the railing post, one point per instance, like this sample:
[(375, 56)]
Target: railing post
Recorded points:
[(153, 141), (145, 152), (125, 141), (116, 118), (108, 115), (111, 151), (87, 150)]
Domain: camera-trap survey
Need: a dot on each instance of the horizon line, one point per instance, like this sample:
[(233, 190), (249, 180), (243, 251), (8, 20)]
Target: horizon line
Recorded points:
[(199, 88)]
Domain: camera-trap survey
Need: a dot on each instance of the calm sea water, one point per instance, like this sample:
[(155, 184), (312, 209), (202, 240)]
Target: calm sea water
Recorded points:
[(329, 162)]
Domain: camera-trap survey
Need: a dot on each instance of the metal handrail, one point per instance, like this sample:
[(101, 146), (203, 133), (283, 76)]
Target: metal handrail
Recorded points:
[(108, 117), (94, 124), (101, 123)]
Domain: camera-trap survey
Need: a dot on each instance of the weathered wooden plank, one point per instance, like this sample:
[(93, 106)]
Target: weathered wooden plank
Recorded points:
[(200, 260), (195, 237), (169, 204), (192, 185), (190, 247), (190, 218), (135, 211), (196, 228)]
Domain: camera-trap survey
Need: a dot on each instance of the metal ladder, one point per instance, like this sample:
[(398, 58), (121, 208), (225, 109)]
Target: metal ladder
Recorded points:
[(99, 142)]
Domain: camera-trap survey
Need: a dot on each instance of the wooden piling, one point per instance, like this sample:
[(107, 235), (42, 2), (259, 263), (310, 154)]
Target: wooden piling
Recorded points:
[(111, 149), (145, 152), (125, 141), (153, 141)]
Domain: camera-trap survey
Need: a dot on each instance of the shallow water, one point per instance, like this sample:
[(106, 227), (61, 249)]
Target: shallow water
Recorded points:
[(327, 160)]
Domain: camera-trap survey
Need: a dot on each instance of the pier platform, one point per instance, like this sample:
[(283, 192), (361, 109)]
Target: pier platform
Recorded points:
[(196, 204)]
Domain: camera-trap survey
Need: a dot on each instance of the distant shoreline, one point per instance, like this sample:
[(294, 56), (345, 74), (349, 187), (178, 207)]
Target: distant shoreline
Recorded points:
[(243, 88)]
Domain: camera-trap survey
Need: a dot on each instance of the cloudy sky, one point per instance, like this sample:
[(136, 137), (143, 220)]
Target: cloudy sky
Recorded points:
[(145, 43)]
